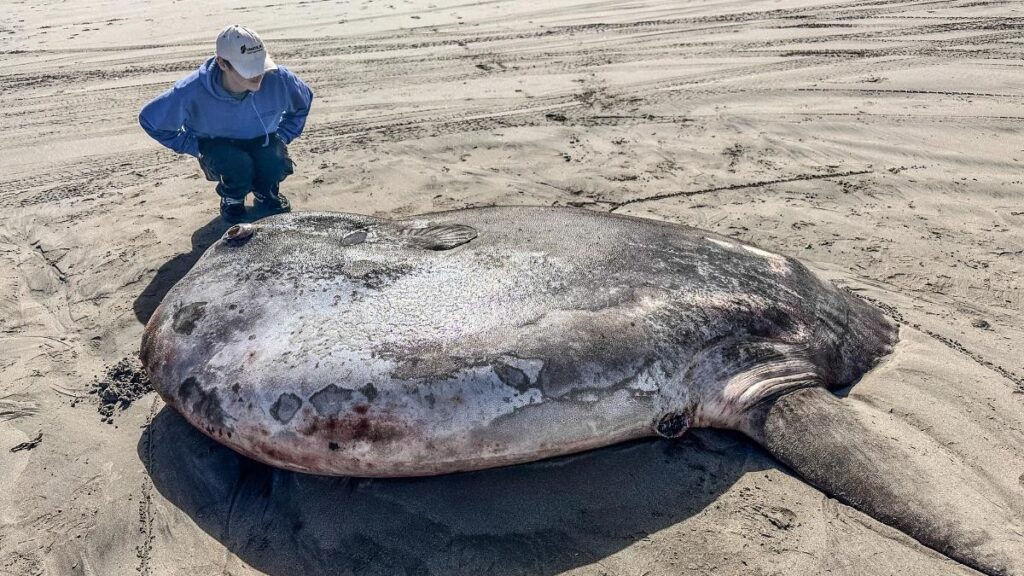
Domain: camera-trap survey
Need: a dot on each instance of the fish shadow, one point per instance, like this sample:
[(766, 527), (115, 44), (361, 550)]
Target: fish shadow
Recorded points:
[(539, 519), (175, 269)]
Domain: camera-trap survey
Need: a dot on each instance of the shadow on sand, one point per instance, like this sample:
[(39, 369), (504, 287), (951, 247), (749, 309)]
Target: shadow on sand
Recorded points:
[(538, 519), (175, 268)]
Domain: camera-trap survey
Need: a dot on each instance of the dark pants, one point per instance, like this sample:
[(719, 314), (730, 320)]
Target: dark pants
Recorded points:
[(243, 166)]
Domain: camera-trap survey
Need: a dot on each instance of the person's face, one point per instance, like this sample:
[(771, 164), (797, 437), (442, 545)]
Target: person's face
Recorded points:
[(236, 81)]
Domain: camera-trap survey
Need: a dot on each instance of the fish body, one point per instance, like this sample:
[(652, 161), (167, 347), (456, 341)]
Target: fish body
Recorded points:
[(349, 345)]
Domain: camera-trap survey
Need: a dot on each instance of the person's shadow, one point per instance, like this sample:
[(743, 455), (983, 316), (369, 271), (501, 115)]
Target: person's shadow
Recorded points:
[(538, 519), (175, 268)]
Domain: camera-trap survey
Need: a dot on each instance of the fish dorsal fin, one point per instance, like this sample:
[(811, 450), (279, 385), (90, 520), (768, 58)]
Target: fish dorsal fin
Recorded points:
[(440, 236)]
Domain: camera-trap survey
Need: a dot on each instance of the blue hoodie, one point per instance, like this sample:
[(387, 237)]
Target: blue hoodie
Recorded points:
[(198, 106)]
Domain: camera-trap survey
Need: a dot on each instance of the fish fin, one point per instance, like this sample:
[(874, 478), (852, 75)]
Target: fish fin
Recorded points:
[(441, 236), (353, 238), (889, 470)]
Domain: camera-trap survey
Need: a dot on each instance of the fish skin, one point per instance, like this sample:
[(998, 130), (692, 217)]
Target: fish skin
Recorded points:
[(350, 345)]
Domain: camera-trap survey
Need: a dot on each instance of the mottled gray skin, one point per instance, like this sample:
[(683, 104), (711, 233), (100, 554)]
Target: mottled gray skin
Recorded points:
[(349, 345)]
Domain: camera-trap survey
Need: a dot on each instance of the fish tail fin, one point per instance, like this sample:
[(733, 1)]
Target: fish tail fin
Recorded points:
[(895, 473)]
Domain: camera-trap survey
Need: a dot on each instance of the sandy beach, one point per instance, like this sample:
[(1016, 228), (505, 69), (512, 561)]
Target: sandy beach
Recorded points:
[(877, 141)]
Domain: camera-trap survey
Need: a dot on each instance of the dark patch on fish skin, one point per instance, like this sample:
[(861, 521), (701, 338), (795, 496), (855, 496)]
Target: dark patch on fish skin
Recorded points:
[(184, 321), (333, 446), (512, 376), (673, 425), (285, 407), (369, 391), (330, 400), (558, 377), (374, 275), (205, 403)]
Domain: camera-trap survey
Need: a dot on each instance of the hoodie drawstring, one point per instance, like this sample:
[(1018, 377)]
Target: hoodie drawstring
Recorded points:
[(266, 133)]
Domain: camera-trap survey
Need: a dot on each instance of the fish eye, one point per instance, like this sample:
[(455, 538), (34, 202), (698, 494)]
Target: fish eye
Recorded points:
[(239, 232)]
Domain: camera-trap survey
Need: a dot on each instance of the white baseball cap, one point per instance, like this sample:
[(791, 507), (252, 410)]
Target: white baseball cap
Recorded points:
[(244, 50)]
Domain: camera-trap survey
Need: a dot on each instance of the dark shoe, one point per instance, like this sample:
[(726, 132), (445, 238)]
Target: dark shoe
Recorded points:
[(272, 203), (232, 211)]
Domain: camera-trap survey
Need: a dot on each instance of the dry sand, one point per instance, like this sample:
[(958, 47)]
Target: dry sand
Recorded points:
[(879, 141)]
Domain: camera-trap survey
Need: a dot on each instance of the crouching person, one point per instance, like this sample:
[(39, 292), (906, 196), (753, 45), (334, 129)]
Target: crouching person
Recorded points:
[(237, 114)]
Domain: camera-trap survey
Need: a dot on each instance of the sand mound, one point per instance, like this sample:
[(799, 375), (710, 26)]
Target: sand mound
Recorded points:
[(119, 386)]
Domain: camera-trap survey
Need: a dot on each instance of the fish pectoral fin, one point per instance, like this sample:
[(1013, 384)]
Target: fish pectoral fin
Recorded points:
[(889, 470), (441, 236)]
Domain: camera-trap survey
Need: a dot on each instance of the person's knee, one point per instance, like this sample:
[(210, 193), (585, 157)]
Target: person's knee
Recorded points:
[(227, 164), (275, 167), (279, 168)]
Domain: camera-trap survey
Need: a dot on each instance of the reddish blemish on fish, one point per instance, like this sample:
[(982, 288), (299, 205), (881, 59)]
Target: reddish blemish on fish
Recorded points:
[(353, 428)]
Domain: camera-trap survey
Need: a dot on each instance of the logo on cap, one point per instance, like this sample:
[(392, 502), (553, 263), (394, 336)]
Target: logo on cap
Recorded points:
[(246, 49)]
